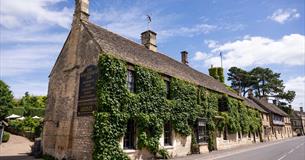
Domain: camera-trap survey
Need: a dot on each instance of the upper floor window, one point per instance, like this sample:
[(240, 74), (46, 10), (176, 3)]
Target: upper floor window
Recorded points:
[(129, 137), (167, 85), (167, 134), (201, 131), (130, 81)]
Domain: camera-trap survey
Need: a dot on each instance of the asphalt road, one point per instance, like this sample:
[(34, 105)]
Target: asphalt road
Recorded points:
[(288, 149)]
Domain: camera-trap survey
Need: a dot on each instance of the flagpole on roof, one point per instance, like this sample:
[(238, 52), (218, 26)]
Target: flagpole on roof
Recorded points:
[(221, 59)]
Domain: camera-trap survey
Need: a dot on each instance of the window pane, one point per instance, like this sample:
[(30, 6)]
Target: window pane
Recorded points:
[(130, 80), (202, 134), (167, 134), (129, 136)]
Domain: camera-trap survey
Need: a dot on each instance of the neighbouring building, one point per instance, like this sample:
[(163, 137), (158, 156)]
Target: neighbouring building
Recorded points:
[(279, 120), (226, 140), (68, 122), (297, 119)]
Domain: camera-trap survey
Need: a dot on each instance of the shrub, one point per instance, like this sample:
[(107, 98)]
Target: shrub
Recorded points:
[(36, 112), (17, 110), (6, 137), (28, 124)]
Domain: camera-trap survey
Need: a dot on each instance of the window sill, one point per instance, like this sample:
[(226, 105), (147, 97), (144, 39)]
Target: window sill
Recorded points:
[(202, 144), (129, 151), (168, 147)]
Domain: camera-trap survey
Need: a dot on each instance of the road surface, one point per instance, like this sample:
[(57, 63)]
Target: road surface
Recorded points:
[(288, 149)]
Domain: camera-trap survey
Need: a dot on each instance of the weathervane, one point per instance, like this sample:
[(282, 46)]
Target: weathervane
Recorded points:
[(148, 21)]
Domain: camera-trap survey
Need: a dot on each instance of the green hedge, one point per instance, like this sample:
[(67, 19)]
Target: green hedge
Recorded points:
[(21, 111), (6, 137), (36, 112), (17, 110)]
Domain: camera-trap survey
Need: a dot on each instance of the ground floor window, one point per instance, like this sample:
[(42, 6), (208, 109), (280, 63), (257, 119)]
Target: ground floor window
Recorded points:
[(129, 137), (167, 134), (201, 131), (225, 133)]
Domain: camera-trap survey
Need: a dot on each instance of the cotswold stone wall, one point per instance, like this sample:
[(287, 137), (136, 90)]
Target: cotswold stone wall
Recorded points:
[(65, 134)]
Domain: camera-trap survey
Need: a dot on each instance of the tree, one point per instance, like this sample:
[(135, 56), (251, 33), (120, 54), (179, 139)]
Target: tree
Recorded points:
[(32, 104), (263, 81), (31, 101), (240, 79), (6, 99), (268, 83)]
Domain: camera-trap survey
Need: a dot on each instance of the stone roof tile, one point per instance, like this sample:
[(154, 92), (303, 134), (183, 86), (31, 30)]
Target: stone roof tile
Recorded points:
[(129, 51)]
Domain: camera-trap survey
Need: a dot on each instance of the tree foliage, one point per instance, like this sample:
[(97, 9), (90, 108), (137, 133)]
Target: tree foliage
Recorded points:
[(263, 81), (6, 99)]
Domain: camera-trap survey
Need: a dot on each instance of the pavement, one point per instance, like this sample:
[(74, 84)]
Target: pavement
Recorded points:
[(17, 148), (287, 149)]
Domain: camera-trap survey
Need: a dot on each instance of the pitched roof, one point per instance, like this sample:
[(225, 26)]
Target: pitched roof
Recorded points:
[(268, 106), (252, 104), (299, 113), (137, 54)]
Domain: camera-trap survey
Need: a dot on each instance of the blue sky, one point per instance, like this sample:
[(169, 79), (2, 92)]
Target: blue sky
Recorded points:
[(267, 33)]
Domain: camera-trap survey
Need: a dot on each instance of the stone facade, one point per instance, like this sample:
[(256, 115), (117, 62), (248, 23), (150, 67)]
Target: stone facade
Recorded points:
[(67, 135), (297, 119)]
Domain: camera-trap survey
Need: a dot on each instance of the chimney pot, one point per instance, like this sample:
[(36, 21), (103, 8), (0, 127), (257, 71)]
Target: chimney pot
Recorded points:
[(149, 40), (250, 93), (184, 58), (274, 102), (301, 109), (264, 98), (290, 107)]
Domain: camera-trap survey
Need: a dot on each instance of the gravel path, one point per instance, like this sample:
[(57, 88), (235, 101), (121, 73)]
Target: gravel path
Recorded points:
[(17, 146)]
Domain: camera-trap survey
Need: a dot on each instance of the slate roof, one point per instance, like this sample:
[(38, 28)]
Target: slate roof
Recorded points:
[(269, 107), (252, 104), (137, 54)]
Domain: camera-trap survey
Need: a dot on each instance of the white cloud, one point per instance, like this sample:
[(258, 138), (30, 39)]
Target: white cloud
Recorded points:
[(189, 31), (298, 85), (31, 35), (131, 22), (20, 60), (200, 56), (16, 13), (255, 50), (283, 15)]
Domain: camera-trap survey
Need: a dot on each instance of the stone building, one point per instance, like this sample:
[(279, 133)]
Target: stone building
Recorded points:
[(297, 119), (68, 122), (279, 120), (225, 140)]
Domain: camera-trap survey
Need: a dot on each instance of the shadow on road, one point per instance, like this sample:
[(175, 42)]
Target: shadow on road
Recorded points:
[(21, 157)]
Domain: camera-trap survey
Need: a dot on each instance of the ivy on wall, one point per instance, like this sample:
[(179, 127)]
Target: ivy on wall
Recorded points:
[(149, 108), (217, 73)]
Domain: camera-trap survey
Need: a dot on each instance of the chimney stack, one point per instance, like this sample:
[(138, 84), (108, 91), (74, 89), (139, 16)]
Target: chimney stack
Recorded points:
[(81, 12), (290, 107), (264, 98), (250, 93), (301, 109), (274, 102), (149, 40), (184, 58)]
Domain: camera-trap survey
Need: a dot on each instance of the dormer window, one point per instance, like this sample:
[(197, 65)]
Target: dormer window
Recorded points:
[(130, 81)]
